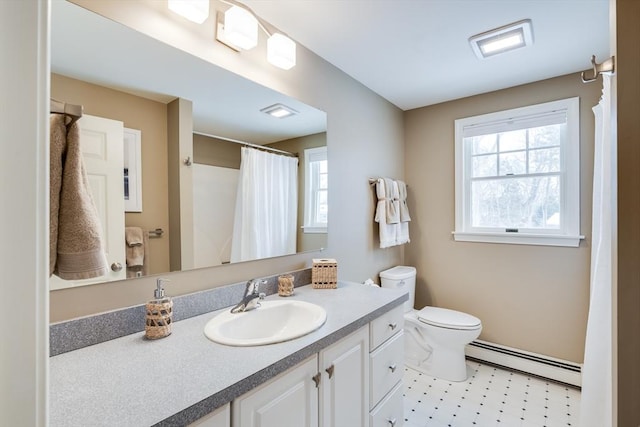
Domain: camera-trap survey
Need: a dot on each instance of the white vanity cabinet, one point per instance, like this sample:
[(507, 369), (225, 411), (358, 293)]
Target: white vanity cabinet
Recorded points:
[(344, 388), (221, 417), (330, 389), (387, 369), (290, 399)]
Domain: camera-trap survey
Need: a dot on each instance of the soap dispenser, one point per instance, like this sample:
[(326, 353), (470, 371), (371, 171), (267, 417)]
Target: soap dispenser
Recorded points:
[(159, 314)]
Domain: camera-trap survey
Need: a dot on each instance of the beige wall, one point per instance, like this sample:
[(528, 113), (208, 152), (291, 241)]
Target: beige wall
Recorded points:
[(150, 117), (533, 298), (627, 293), (358, 121), (216, 152)]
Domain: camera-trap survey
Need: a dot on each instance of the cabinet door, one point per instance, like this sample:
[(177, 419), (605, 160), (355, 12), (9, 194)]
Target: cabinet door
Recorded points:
[(289, 400), (344, 389), (218, 418)]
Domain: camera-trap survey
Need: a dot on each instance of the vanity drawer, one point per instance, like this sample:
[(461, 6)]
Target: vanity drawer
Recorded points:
[(387, 367), (385, 326), (389, 412)]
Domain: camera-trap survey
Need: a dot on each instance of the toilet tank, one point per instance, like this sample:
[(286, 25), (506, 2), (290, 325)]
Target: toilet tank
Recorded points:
[(401, 277)]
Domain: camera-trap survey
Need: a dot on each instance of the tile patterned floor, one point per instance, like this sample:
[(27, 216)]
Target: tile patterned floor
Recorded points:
[(491, 397)]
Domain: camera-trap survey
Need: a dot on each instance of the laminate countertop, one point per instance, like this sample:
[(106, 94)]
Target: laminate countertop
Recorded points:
[(132, 381)]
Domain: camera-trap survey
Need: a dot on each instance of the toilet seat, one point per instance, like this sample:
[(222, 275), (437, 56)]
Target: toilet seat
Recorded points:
[(450, 319)]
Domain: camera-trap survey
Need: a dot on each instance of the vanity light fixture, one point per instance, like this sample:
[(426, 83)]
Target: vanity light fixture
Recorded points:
[(281, 51), (279, 111), (241, 28), (237, 28), (504, 39), (194, 10)]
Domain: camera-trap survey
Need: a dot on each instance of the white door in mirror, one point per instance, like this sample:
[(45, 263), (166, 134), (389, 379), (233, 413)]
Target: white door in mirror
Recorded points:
[(101, 142)]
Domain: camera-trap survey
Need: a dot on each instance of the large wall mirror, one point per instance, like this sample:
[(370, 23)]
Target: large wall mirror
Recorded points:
[(154, 90)]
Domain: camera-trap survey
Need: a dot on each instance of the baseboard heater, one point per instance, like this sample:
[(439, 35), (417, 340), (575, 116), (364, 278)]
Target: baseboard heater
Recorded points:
[(524, 361)]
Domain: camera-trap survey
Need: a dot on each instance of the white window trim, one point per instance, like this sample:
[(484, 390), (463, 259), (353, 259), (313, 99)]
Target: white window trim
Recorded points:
[(310, 155), (569, 235)]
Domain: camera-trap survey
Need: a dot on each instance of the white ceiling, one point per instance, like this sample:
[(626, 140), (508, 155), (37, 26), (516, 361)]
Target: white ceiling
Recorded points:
[(415, 52)]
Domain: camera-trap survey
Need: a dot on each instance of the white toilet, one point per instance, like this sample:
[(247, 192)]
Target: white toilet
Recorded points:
[(434, 337)]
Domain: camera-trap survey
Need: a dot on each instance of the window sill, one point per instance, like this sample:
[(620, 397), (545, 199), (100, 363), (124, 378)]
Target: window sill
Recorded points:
[(518, 238), (314, 230)]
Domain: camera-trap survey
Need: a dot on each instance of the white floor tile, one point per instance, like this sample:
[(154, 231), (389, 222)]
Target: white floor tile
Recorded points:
[(490, 397)]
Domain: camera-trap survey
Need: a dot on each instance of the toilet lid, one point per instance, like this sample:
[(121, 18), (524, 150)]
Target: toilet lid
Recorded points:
[(445, 318)]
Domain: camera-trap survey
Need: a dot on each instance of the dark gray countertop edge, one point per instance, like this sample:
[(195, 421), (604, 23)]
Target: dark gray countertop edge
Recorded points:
[(208, 405)]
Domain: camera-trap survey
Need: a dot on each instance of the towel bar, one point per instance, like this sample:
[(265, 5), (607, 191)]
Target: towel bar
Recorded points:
[(158, 232)]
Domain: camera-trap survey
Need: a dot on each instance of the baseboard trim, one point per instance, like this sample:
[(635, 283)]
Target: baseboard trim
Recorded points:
[(532, 363)]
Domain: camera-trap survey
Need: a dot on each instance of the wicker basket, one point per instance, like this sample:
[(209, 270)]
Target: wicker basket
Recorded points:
[(158, 319), (324, 274)]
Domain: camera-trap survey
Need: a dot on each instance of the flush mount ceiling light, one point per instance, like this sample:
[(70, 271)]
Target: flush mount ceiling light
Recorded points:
[(194, 10), (503, 39), (279, 111), (237, 28)]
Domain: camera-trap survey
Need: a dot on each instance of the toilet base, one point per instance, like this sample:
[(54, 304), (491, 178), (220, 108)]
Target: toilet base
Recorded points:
[(450, 367), (444, 362)]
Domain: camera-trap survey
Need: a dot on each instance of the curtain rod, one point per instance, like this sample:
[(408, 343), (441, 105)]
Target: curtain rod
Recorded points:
[(608, 66), (248, 144)]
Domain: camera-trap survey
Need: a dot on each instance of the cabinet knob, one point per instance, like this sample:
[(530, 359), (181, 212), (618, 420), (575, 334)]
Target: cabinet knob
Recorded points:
[(116, 266), (316, 379), (392, 368), (392, 421), (393, 326), (330, 370)]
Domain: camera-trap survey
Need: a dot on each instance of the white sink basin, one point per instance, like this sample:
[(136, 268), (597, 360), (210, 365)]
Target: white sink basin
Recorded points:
[(272, 322)]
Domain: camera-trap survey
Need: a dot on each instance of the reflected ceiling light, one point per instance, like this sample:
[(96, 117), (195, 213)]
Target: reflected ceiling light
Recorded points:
[(279, 111), (241, 28), (194, 10), (281, 51), (503, 39)]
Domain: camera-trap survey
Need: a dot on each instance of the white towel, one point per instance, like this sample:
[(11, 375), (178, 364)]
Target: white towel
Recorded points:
[(387, 231), (392, 202), (402, 196)]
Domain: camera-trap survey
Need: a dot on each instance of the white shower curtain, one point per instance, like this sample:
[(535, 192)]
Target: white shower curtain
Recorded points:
[(266, 206), (597, 372)]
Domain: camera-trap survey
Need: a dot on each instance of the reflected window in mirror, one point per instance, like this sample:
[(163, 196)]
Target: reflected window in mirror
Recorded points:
[(316, 190)]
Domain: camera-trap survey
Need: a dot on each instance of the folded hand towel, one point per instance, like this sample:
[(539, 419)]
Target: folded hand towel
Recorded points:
[(387, 230), (76, 249), (137, 257), (133, 236), (402, 196), (392, 201)]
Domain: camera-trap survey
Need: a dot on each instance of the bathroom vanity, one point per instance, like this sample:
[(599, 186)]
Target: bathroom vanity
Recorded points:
[(347, 372)]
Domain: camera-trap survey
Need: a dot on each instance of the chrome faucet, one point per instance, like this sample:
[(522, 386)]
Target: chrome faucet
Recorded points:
[(252, 296)]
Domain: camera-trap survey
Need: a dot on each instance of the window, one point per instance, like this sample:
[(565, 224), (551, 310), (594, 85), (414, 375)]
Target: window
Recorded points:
[(518, 176), (316, 181)]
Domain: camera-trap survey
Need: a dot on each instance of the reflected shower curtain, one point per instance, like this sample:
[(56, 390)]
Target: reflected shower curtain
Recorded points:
[(597, 372), (266, 206)]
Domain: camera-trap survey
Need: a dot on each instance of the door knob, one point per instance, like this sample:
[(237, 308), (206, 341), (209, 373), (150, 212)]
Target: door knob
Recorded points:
[(116, 266)]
